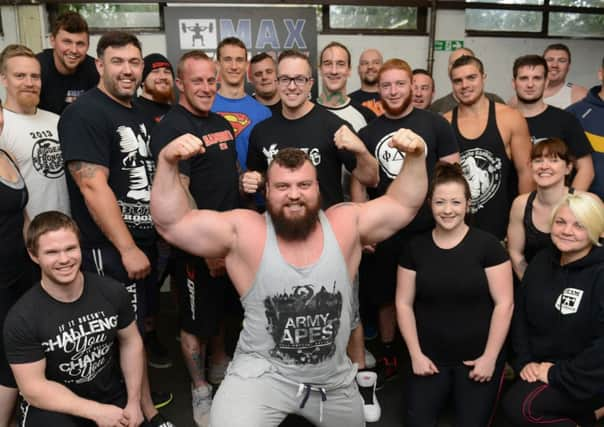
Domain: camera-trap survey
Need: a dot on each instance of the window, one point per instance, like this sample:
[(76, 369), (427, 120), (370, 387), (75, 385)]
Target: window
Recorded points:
[(374, 19), (539, 18), (103, 16)]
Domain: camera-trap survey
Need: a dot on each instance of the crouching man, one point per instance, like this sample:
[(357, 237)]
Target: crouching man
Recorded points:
[(293, 268), (72, 340)]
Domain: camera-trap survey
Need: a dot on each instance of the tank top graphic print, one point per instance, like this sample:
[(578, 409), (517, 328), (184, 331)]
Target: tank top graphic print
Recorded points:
[(487, 168), (298, 318)]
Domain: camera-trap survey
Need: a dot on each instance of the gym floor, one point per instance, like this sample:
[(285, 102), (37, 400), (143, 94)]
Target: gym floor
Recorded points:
[(175, 380)]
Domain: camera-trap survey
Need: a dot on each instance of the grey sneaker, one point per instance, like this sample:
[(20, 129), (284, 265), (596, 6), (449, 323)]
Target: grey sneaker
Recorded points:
[(201, 398), (217, 371)]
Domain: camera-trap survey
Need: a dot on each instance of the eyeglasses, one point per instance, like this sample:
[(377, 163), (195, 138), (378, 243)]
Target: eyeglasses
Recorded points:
[(298, 80)]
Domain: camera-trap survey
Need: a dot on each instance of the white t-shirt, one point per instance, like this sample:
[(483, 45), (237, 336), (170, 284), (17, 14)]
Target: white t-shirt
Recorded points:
[(33, 141), (562, 98)]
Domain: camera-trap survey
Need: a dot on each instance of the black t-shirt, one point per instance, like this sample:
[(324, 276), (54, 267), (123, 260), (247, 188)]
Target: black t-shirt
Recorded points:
[(13, 256), (439, 137), (213, 174), (360, 96), (275, 108), (96, 129), (557, 123), (154, 111), (453, 304), (58, 90), (313, 133), (370, 100), (77, 339)]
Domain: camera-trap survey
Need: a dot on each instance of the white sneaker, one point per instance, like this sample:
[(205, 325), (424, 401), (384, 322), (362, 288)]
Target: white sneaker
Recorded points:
[(371, 407), (201, 398), (369, 360)]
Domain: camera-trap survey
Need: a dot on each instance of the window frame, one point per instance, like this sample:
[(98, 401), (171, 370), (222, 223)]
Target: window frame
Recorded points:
[(52, 10), (421, 5), (545, 10), (422, 19)]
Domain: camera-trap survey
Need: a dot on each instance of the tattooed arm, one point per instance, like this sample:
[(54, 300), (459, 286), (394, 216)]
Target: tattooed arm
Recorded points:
[(100, 200)]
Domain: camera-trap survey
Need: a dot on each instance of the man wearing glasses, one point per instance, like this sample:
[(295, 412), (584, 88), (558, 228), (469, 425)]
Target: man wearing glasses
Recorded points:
[(326, 138)]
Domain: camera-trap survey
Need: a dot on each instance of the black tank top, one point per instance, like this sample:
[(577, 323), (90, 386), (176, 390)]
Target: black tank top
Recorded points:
[(487, 168), (534, 239), (13, 256)]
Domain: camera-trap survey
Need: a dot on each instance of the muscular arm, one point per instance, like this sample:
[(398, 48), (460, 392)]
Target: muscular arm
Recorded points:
[(131, 362), (200, 232), (585, 173), (55, 397), (367, 169), (92, 180), (516, 236), (358, 192), (382, 217), (185, 181), (520, 147)]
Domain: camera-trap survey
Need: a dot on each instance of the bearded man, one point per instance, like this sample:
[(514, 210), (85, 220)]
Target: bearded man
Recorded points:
[(395, 83), (30, 134), (293, 268), (157, 86)]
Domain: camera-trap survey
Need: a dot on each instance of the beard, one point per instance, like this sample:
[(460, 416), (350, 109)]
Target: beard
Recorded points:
[(298, 228), (161, 96), (370, 80), (112, 86), (396, 111), (529, 101), (28, 100)]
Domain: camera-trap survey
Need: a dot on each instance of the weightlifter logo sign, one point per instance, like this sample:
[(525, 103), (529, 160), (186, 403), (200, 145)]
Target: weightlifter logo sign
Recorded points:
[(197, 33)]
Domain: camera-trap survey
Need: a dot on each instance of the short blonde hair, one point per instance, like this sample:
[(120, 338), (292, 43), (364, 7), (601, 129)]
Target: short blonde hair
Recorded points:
[(589, 211), (12, 51)]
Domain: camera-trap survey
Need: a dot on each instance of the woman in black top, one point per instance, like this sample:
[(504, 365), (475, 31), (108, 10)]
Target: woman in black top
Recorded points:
[(558, 326), (454, 303), (530, 216), (15, 266)]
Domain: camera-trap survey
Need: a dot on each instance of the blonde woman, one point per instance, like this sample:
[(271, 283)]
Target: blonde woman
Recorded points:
[(558, 326)]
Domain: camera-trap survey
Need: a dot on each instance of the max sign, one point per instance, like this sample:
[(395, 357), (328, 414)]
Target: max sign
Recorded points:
[(270, 29)]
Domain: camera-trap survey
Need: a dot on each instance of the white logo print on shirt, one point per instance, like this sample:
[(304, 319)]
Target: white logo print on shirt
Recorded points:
[(390, 159), (138, 164), (569, 300), (314, 154), (482, 170)]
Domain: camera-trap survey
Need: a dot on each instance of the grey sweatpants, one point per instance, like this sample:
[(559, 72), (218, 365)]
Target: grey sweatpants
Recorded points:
[(266, 400)]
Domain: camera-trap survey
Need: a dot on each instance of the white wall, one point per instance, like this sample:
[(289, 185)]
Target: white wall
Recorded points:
[(497, 54)]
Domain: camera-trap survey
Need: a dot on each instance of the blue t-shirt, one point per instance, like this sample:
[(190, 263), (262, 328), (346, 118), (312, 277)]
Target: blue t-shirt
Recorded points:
[(243, 114)]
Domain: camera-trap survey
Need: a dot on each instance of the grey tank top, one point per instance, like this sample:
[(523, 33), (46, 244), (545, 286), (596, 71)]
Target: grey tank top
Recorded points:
[(297, 320)]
